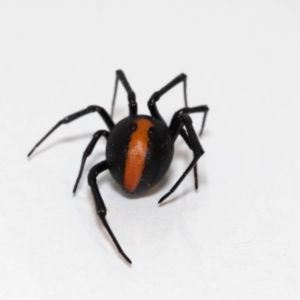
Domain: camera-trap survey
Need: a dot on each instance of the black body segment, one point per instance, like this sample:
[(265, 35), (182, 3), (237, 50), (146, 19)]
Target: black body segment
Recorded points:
[(158, 158)]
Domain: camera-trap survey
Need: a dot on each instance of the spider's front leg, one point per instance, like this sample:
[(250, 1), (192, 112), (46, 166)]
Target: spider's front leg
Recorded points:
[(100, 206), (88, 151), (93, 108)]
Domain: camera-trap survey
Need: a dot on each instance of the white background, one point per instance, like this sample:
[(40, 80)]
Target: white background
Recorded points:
[(238, 237)]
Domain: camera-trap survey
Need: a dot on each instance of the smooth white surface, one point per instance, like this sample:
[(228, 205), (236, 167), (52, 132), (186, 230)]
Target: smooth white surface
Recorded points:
[(238, 237)]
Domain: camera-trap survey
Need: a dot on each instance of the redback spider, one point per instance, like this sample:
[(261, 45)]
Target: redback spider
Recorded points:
[(139, 148)]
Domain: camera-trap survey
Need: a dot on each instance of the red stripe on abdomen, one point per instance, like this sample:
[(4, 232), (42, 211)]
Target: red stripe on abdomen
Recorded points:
[(136, 155)]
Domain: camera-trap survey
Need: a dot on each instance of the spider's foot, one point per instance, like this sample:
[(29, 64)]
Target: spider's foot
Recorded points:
[(164, 197)]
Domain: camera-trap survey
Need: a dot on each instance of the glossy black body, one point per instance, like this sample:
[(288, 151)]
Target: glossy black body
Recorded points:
[(158, 158)]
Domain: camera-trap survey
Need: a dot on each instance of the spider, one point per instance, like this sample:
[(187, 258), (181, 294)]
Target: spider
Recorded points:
[(139, 148)]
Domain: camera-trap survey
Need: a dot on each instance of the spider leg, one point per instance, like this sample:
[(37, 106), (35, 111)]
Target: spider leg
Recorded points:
[(156, 96), (100, 206), (130, 93), (93, 108), (187, 141), (191, 110), (187, 110), (186, 120), (154, 111), (88, 152)]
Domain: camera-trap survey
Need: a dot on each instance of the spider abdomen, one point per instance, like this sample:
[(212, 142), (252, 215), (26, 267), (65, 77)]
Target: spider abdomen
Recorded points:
[(139, 152)]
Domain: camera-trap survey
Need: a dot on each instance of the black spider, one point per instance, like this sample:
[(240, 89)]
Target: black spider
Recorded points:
[(139, 148)]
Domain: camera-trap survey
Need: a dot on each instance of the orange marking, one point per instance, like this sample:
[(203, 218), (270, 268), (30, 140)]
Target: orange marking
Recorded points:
[(137, 151)]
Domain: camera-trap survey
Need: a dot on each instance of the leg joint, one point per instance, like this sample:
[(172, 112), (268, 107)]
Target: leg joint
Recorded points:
[(154, 98), (95, 108), (186, 119), (131, 98), (92, 176), (198, 153), (101, 212)]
